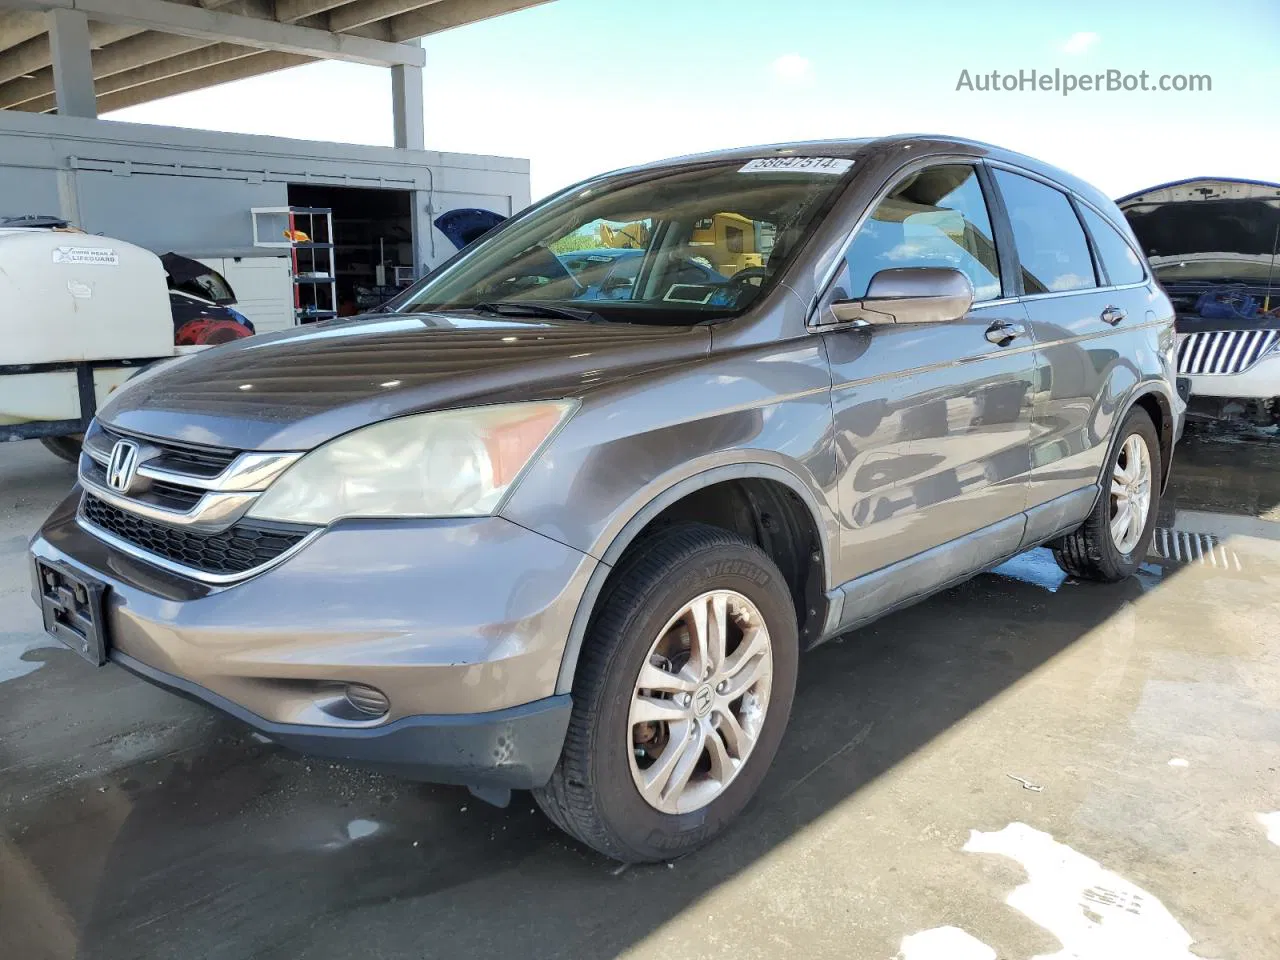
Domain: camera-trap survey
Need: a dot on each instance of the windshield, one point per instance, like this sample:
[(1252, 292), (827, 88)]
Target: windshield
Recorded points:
[(676, 246)]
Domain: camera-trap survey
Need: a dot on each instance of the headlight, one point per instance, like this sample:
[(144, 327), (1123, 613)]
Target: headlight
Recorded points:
[(455, 463)]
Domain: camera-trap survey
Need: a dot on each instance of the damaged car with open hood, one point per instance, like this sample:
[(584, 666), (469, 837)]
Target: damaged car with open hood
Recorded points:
[(1213, 244)]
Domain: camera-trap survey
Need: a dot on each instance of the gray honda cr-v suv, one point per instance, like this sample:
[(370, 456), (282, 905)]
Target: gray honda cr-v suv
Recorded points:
[(563, 517)]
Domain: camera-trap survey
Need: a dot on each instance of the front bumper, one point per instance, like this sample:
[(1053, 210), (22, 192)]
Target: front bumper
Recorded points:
[(513, 748), (1260, 382), (460, 623)]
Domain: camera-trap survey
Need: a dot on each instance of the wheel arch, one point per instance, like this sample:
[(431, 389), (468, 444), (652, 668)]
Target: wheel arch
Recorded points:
[(1160, 408), (644, 517)]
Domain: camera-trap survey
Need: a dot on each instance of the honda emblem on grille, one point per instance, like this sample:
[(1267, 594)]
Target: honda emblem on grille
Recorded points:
[(123, 465)]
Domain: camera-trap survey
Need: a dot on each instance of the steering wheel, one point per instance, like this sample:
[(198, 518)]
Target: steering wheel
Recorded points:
[(741, 280), (540, 261)]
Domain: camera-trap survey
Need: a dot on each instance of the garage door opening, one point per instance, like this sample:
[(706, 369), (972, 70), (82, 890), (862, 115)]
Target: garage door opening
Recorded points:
[(373, 241)]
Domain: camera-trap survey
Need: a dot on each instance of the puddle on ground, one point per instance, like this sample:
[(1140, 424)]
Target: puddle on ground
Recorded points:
[(1232, 431), (15, 654), (1187, 538), (358, 829), (944, 943), (1036, 567), (1095, 913), (1271, 823)]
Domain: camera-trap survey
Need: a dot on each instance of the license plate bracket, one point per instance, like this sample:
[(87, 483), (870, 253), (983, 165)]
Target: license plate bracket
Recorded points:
[(72, 607)]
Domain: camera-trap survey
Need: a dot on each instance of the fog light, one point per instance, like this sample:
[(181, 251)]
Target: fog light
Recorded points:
[(368, 700)]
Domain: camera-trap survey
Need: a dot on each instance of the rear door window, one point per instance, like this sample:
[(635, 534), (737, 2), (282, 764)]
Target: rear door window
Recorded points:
[(1051, 243), (936, 217), (1118, 257)]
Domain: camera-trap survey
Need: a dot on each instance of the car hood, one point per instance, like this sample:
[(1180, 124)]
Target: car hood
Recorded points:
[(1207, 229), (296, 389), (1213, 244)]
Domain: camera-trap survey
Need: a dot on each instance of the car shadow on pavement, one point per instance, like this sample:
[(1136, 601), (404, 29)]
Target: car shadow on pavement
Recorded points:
[(231, 848)]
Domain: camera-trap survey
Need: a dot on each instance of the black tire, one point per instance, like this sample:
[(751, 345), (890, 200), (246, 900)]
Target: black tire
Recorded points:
[(592, 795), (64, 448), (1090, 553)]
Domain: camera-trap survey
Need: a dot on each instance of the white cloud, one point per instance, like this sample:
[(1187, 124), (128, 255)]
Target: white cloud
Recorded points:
[(1079, 43), (793, 69)]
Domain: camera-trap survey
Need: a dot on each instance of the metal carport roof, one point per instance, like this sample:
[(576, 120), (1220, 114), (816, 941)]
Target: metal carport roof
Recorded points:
[(146, 49)]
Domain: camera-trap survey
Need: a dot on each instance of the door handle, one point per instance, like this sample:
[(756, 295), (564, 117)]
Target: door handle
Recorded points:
[(1113, 315), (1002, 332)]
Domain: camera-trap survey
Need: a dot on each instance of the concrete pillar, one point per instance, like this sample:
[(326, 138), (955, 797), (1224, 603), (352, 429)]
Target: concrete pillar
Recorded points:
[(72, 63), (407, 107), (425, 255)]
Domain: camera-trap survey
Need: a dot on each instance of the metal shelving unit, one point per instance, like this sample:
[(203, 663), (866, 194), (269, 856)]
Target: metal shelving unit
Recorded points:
[(311, 260)]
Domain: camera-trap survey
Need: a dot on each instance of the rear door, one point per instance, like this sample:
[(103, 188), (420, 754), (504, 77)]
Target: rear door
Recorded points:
[(1080, 318), (932, 421)]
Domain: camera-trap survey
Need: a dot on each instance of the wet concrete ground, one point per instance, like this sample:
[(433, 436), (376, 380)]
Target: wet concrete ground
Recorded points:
[(1143, 720)]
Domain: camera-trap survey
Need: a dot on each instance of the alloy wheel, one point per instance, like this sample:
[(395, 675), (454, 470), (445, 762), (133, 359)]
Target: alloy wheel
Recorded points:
[(1130, 493), (699, 702)]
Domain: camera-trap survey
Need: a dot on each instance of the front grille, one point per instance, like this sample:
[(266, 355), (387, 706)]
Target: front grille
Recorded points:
[(239, 549), (171, 496), (1223, 351), (176, 457)]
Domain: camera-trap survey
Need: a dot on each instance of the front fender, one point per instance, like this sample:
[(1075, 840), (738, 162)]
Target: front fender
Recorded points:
[(688, 478), (639, 444), (632, 441), (640, 514)]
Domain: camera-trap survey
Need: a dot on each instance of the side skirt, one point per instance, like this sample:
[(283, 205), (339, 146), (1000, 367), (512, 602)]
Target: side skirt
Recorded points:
[(909, 581)]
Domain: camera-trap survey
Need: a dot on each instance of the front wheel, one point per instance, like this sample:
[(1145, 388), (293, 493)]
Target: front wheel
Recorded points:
[(682, 695), (1112, 543)]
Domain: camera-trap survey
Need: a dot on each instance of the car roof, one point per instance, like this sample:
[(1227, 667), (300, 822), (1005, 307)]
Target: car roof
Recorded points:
[(917, 144)]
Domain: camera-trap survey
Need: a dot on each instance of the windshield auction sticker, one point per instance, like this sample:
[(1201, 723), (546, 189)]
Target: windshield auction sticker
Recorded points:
[(831, 165), (100, 255)]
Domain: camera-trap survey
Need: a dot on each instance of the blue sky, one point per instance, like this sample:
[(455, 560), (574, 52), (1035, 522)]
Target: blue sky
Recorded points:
[(581, 86)]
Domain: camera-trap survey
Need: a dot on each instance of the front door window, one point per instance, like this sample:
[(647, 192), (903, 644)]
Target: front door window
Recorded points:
[(934, 218)]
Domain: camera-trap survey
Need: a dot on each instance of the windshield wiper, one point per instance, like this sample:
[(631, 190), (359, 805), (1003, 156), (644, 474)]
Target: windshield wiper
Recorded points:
[(527, 308)]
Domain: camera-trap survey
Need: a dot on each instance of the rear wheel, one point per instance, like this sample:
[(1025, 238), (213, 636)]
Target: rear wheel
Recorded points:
[(682, 694), (1112, 543), (65, 448)]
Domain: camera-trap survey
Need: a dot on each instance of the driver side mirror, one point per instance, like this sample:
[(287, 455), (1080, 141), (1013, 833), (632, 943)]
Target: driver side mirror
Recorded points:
[(909, 295)]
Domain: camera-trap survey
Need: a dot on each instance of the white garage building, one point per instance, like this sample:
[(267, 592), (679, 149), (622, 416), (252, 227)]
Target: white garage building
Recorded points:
[(62, 62)]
